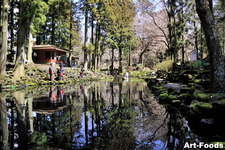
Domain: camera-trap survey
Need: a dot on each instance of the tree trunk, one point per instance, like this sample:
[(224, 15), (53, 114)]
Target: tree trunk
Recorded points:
[(92, 40), (99, 47), (30, 45), (174, 33), (211, 5), (53, 26), (96, 47), (3, 44), (130, 59), (201, 42), (19, 65), (120, 61), (12, 28), (30, 112), (21, 119), (71, 19), (216, 58), (170, 31), (85, 36), (141, 58), (182, 36), (111, 69), (223, 41), (3, 123), (196, 37)]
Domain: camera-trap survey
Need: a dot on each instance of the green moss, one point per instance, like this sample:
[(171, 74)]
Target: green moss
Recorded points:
[(61, 82), (157, 88), (172, 97), (202, 108), (183, 96), (218, 145), (219, 104), (197, 81), (162, 91), (33, 84), (163, 96), (138, 73), (203, 97), (170, 90), (196, 92)]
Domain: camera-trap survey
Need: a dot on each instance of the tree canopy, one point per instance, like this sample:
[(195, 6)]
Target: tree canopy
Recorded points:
[(139, 28)]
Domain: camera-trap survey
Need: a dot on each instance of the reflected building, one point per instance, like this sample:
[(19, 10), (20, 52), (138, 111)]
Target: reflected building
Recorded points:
[(48, 104)]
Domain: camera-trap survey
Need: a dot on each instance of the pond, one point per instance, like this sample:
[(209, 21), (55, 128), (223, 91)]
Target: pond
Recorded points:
[(91, 115)]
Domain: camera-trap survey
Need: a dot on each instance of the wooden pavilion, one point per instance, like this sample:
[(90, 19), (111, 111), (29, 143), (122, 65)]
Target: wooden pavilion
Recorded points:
[(46, 54)]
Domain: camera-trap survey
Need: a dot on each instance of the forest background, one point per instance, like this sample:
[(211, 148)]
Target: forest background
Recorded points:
[(140, 32)]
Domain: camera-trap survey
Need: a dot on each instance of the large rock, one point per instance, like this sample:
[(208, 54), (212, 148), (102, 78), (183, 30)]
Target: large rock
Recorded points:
[(200, 109), (219, 107)]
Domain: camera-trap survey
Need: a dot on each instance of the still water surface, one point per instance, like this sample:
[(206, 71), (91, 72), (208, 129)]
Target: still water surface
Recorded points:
[(92, 115)]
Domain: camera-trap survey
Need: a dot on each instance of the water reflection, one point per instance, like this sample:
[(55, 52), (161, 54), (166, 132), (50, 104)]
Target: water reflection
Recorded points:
[(97, 115)]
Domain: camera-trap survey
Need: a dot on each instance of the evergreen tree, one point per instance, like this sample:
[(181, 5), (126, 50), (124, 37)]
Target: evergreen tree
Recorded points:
[(19, 64), (219, 19), (27, 12), (119, 16), (85, 34), (3, 36), (39, 10), (217, 81)]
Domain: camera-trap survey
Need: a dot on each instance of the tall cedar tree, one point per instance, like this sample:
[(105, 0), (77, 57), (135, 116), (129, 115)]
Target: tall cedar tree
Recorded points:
[(217, 81), (3, 37), (119, 16), (219, 9), (19, 64), (85, 34), (38, 18), (27, 11)]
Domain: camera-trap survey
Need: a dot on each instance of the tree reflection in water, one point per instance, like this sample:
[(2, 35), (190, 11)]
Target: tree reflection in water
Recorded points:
[(97, 115)]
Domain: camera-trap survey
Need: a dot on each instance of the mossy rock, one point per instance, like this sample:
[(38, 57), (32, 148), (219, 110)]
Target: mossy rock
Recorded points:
[(186, 90), (61, 82), (163, 97), (162, 91), (51, 82), (201, 109), (32, 84), (219, 106), (177, 102), (203, 97), (175, 93), (183, 96), (197, 81), (189, 72), (156, 88), (196, 92), (40, 70), (170, 90), (173, 97), (43, 82)]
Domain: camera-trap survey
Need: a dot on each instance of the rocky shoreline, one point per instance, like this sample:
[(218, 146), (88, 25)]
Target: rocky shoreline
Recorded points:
[(204, 111), (38, 75)]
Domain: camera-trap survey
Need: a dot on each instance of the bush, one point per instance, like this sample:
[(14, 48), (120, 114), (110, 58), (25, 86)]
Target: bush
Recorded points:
[(165, 65)]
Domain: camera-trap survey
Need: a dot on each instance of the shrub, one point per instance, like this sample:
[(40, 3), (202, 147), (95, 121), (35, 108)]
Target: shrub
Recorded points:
[(165, 65)]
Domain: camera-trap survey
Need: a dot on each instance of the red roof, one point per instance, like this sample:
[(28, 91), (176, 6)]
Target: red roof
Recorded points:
[(37, 47)]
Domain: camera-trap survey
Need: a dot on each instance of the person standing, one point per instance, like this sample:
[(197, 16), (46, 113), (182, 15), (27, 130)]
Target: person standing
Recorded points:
[(81, 72), (51, 71), (60, 72)]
